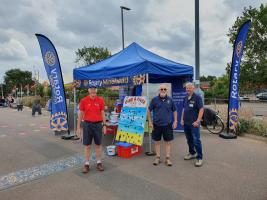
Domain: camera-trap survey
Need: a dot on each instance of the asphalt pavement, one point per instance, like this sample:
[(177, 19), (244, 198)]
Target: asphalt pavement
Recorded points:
[(36, 164)]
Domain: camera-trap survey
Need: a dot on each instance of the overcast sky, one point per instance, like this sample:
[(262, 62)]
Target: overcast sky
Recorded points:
[(165, 27)]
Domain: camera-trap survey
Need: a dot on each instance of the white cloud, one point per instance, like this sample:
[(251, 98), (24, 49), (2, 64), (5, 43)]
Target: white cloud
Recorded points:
[(12, 51), (167, 28)]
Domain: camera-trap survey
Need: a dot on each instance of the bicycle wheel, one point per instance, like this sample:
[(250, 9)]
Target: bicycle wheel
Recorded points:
[(217, 126)]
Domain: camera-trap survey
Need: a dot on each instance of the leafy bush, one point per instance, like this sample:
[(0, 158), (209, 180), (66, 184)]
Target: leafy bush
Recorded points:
[(29, 101), (255, 127)]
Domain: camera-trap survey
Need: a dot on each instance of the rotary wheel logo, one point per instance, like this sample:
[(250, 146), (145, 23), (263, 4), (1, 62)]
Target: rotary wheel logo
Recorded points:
[(139, 79), (233, 119), (77, 83), (239, 48), (58, 122), (50, 58)]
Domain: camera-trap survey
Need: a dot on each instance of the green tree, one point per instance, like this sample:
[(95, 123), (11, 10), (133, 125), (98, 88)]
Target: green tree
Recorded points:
[(17, 78), (40, 89), (91, 55), (88, 56), (253, 71), (219, 89), (210, 79)]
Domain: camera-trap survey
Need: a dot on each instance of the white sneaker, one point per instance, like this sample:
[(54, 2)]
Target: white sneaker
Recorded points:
[(199, 163), (190, 156)]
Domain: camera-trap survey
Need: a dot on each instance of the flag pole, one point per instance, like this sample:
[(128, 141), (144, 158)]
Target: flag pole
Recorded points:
[(233, 96)]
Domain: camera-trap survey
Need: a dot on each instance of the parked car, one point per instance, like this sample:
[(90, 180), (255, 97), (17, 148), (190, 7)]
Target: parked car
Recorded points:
[(243, 98), (262, 96)]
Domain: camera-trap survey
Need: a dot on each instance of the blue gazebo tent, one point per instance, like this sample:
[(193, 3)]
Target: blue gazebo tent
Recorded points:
[(133, 60)]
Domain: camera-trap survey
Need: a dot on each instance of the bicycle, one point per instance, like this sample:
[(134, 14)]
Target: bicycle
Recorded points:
[(212, 121)]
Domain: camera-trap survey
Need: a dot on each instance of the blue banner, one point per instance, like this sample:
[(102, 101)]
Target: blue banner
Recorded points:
[(178, 95), (58, 120), (122, 81), (233, 105)]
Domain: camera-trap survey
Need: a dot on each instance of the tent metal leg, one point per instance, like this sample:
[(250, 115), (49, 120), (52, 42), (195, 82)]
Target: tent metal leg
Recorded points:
[(150, 152), (72, 136)]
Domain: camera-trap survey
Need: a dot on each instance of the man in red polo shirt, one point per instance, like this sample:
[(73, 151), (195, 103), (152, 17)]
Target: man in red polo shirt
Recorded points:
[(93, 115)]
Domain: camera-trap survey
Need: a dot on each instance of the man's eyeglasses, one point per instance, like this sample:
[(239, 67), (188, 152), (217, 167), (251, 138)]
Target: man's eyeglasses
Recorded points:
[(163, 89)]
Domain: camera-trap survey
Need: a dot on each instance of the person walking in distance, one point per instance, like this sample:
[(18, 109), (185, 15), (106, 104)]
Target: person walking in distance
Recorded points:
[(191, 117), (93, 116)]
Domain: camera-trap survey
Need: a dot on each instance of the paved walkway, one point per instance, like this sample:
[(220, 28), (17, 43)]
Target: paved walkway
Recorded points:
[(36, 164)]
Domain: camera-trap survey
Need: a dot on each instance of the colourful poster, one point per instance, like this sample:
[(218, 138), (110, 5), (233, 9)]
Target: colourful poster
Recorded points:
[(132, 120)]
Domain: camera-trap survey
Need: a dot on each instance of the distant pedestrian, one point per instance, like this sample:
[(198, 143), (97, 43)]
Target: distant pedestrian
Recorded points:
[(19, 104), (36, 107), (10, 101), (191, 117)]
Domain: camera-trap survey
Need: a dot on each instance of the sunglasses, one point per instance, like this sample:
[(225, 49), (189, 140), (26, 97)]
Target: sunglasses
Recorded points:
[(163, 89)]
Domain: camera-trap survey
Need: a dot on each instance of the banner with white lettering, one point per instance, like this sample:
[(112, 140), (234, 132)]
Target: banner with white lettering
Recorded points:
[(178, 95), (233, 105), (58, 120), (135, 80)]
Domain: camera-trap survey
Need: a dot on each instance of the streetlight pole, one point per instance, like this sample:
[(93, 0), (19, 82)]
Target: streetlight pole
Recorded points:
[(197, 63), (122, 33), (197, 39), (122, 25)]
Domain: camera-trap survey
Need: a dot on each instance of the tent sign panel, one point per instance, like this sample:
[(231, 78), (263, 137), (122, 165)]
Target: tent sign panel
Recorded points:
[(135, 80), (132, 120)]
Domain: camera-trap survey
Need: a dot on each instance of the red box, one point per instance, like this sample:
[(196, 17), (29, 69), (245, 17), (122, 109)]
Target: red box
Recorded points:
[(111, 130), (126, 150), (118, 109)]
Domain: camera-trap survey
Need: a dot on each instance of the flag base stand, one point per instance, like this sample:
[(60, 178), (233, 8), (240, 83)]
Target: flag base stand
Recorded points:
[(71, 136), (226, 135), (75, 137), (67, 136)]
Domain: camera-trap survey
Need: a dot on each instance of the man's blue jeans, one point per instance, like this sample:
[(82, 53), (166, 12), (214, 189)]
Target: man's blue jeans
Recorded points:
[(193, 140)]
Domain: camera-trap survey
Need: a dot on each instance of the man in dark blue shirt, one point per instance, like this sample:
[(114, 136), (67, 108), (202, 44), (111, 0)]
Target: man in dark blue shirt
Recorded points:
[(164, 112), (191, 117)]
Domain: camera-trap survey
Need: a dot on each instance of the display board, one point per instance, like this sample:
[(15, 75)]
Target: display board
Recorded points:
[(132, 120)]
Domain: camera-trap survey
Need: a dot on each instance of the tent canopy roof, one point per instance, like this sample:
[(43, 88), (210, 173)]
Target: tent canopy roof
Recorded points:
[(132, 61)]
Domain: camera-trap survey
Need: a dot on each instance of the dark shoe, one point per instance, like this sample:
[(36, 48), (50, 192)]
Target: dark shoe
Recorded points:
[(86, 169), (99, 167)]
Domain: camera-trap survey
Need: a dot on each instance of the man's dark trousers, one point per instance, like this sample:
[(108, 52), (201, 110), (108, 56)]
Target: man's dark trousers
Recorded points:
[(193, 140)]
